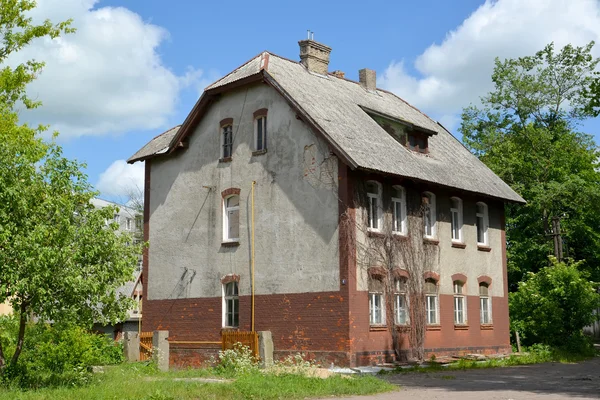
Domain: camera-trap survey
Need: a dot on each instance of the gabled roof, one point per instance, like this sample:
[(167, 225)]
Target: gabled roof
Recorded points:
[(337, 109)]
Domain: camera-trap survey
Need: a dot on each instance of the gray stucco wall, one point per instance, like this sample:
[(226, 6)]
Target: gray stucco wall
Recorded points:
[(296, 206), (449, 260)]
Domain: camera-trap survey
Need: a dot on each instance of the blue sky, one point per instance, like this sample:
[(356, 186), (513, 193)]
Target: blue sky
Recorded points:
[(135, 68)]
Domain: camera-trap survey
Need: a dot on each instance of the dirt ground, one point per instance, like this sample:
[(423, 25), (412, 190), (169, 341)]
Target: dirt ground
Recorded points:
[(542, 381)]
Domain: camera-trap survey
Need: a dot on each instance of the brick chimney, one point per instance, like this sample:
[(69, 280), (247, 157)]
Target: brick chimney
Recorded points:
[(314, 56), (368, 79)]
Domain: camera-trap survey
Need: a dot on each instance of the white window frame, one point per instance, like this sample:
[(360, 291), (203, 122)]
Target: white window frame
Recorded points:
[(226, 211), (225, 307), (432, 309), (374, 213), (373, 296), (456, 219), (117, 219), (460, 303), (487, 298), (485, 221), (128, 223), (432, 217), (399, 227), (261, 119), (223, 130), (400, 293)]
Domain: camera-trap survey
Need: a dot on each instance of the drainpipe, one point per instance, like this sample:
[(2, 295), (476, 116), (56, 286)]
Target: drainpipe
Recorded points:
[(252, 256)]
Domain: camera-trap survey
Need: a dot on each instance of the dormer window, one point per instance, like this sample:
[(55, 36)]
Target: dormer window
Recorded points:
[(417, 142)]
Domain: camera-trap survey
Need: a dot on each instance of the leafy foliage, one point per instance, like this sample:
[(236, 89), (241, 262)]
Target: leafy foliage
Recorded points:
[(59, 355), (553, 305), (526, 132), (236, 361)]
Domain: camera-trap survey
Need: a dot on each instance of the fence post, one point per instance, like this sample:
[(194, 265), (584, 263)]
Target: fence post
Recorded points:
[(160, 350), (131, 346), (265, 348)]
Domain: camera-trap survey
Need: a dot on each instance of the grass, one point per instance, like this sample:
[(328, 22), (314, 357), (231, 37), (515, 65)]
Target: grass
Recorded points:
[(534, 355), (138, 381)]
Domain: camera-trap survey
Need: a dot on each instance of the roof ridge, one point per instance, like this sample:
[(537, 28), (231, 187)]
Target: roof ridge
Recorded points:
[(236, 69)]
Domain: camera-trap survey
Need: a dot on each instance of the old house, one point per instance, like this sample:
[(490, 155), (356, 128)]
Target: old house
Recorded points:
[(302, 176)]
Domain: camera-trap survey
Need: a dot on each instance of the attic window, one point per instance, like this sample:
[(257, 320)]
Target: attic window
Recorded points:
[(417, 142)]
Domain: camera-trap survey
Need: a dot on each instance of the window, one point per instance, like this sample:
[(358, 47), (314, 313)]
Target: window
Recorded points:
[(429, 215), (260, 132), (456, 213), (399, 210), (431, 301), (485, 303), (227, 141), (231, 219), (459, 304), (400, 302), (231, 305), (116, 218), (376, 303), (128, 224), (482, 224), (138, 222), (417, 142), (374, 206)]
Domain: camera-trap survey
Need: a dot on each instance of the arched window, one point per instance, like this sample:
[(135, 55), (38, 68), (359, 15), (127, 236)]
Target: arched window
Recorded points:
[(456, 213), (399, 210), (429, 215), (431, 301), (482, 224), (260, 130), (400, 301), (231, 305), (376, 302), (231, 218), (485, 304), (374, 205), (226, 138), (460, 312)]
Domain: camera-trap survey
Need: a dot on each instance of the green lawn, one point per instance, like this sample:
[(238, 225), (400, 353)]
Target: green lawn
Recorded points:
[(137, 381)]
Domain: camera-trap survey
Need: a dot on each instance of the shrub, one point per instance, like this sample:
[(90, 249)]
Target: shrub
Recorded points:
[(56, 355), (552, 306), (236, 361)]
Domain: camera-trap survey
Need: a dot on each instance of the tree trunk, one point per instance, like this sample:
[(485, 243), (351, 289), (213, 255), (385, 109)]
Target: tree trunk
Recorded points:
[(2, 360), (22, 323)]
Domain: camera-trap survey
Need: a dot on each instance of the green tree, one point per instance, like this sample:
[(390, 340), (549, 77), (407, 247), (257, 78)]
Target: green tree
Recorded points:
[(553, 305), (526, 131), (59, 259)]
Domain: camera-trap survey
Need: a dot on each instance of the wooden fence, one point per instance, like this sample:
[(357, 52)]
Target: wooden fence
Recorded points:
[(250, 339), (146, 345)]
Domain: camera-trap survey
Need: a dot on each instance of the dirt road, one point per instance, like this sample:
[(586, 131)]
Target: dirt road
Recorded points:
[(537, 382)]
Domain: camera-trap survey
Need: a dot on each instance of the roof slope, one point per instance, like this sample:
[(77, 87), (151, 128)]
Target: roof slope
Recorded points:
[(336, 106), (158, 145)]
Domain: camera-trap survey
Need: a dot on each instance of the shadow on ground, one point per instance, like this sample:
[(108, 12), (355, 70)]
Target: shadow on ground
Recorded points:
[(580, 380)]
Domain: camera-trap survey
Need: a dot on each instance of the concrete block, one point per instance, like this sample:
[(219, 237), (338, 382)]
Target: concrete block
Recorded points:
[(265, 348), (160, 350), (131, 346)]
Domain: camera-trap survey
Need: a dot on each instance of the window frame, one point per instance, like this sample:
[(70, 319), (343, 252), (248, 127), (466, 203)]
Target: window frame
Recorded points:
[(436, 303), (416, 146), (378, 208), (485, 221), (225, 132), (372, 296), (400, 293), (456, 217), (399, 202), (432, 216), (128, 223), (226, 221), (460, 303), (235, 303), (260, 117), (488, 298)]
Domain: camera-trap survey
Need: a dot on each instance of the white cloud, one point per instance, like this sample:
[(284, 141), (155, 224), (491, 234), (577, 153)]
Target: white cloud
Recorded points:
[(457, 72), (120, 179), (108, 77)]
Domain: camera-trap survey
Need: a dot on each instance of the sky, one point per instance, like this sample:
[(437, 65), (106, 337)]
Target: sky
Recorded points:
[(135, 68)]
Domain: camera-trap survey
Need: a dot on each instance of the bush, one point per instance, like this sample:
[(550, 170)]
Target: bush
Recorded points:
[(552, 306), (236, 361), (55, 355)]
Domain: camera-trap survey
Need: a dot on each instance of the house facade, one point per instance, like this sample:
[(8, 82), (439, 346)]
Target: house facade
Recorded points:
[(269, 207)]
